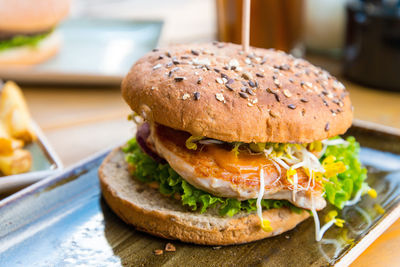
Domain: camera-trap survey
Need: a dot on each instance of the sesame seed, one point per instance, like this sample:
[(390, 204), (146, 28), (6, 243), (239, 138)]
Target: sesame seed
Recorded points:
[(176, 62), (168, 54), (233, 63), (263, 61), (306, 85), (207, 67), (292, 106), (179, 79), (219, 80), (246, 75), (230, 81), (260, 75), (304, 100), (160, 57), (185, 57), (155, 50), (274, 114), (243, 95), (250, 55), (243, 89), (248, 61), (229, 87), (327, 126), (196, 95), (199, 80), (195, 52), (338, 85), (219, 97), (223, 75), (250, 92), (157, 66), (287, 93), (217, 70), (169, 64), (291, 80), (277, 82), (277, 97), (252, 84), (172, 71), (284, 67), (225, 67), (185, 96)]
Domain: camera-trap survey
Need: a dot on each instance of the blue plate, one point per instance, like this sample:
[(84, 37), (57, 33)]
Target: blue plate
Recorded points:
[(93, 51), (63, 221)]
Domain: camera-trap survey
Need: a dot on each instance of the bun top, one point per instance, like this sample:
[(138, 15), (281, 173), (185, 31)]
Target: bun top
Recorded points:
[(30, 15), (216, 90)]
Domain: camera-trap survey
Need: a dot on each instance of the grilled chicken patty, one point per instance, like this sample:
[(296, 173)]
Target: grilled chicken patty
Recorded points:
[(219, 171)]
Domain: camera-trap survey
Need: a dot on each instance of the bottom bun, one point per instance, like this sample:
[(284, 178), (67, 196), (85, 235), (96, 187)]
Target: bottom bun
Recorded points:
[(29, 55), (148, 210)]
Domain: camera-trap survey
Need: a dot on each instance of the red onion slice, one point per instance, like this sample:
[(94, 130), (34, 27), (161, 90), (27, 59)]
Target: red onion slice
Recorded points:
[(142, 134)]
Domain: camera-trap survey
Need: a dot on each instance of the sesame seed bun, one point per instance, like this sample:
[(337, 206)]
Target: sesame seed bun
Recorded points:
[(216, 90), (31, 16), (28, 55), (149, 211)]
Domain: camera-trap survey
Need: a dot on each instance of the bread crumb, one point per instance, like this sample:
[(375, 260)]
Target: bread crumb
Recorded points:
[(170, 247), (158, 252), (185, 96)]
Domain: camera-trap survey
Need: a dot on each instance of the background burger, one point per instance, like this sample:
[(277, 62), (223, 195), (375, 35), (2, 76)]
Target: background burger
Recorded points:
[(27, 30), (232, 147)]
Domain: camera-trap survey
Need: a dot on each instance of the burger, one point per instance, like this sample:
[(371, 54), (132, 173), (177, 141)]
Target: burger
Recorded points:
[(232, 146), (27, 30)]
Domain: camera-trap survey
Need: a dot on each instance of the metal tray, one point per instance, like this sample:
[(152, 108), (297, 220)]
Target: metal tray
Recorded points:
[(63, 221)]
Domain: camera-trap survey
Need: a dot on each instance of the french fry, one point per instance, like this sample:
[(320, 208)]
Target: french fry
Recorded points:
[(14, 113), (19, 161), (5, 141), (8, 144)]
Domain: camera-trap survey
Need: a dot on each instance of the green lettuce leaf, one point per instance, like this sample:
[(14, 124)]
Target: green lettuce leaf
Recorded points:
[(345, 185), (170, 183), (21, 40)]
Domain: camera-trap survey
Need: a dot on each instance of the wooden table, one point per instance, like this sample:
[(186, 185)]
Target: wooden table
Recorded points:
[(80, 121)]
